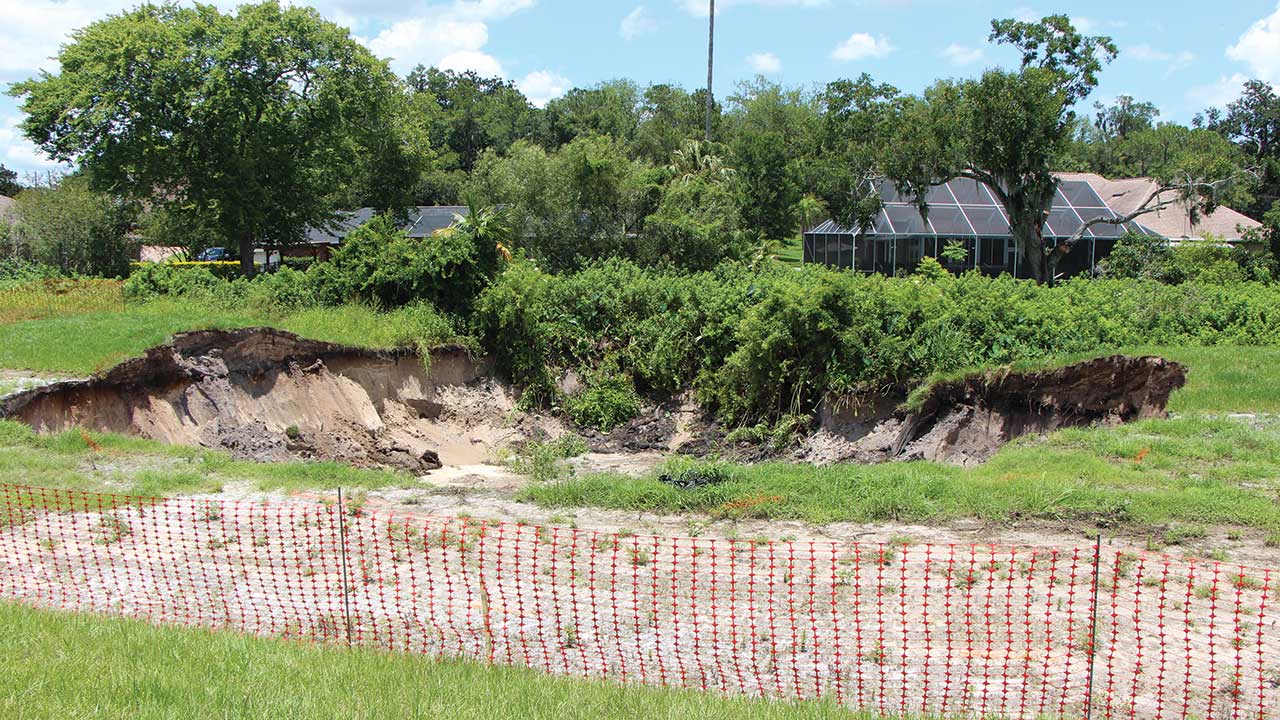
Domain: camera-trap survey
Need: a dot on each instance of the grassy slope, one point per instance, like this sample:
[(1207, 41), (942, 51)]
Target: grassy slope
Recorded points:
[(72, 666), (83, 343)]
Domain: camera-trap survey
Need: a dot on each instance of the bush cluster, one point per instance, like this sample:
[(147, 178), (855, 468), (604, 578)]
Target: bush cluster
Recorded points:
[(755, 343), (1208, 260), (776, 342)]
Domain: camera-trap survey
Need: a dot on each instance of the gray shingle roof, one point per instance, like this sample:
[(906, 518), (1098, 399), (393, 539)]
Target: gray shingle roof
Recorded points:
[(423, 221)]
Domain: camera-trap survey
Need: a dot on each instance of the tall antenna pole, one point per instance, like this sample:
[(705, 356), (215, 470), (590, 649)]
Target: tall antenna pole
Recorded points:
[(711, 48)]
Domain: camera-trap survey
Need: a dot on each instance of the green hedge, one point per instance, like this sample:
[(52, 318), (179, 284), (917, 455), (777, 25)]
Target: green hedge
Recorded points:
[(776, 342), (225, 269), (754, 344)]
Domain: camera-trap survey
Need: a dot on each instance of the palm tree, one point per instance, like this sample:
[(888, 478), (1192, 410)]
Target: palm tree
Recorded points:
[(484, 225), (694, 159)]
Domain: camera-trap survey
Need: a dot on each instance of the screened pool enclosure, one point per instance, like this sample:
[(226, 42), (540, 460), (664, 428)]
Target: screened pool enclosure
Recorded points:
[(964, 212)]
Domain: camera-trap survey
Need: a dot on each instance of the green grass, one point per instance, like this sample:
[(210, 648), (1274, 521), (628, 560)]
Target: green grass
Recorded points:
[(118, 463), (1201, 469), (76, 666), (791, 250), (85, 343), (52, 298), (1220, 379)]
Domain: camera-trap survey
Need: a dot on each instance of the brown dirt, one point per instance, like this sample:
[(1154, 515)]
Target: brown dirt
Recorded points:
[(966, 421), (271, 396)]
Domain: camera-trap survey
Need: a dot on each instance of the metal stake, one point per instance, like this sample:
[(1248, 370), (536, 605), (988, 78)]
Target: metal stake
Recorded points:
[(346, 580)]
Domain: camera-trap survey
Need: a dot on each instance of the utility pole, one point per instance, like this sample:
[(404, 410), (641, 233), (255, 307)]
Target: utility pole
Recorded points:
[(711, 47)]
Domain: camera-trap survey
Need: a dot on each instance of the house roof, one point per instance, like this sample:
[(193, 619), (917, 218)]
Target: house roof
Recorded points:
[(964, 208), (1174, 222), (423, 221)]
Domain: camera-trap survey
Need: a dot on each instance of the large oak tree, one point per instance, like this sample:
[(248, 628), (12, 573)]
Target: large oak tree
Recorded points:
[(259, 120)]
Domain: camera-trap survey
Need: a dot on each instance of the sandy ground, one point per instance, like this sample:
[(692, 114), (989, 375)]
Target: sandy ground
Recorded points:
[(15, 381), (946, 629)]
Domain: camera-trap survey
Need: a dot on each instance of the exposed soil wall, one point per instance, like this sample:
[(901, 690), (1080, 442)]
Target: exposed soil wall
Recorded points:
[(269, 395), (966, 421)]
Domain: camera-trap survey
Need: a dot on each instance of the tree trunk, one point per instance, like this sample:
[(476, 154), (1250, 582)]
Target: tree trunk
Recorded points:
[(246, 255), (1028, 235), (711, 46)]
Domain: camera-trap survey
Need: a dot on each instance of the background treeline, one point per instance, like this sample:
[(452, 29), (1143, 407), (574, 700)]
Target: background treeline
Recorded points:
[(621, 169)]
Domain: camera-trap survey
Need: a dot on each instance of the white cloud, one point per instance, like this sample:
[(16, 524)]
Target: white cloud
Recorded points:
[(958, 54), (1219, 93), (17, 152), (1259, 48), (482, 63), (1025, 14), (765, 62), (543, 86), (32, 30), (410, 42), (1146, 53), (702, 8), (862, 45), (637, 22), (488, 9)]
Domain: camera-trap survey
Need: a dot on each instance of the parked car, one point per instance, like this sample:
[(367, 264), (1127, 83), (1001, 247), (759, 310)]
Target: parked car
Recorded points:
[(214, 254), (221, 254)]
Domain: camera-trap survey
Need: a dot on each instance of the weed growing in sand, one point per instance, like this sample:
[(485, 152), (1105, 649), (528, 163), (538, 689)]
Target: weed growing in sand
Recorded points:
[(544, 461), (110, 530)]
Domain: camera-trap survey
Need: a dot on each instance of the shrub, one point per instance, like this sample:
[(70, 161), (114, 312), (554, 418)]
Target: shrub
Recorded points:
[(1208, 261), (15, 271), (762, 345), (151, 280), (225, 269), (608, 400), (378, 263)]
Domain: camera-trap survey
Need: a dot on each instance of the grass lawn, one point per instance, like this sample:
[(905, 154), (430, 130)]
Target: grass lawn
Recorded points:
[(791, 250), (75, 666), (84, 343)]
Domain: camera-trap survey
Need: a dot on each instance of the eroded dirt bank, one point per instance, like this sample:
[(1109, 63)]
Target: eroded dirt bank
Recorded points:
[(269, 395), (965, 421)]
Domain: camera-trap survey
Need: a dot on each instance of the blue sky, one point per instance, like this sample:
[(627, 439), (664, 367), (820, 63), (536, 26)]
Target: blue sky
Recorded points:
[(1182, 56)]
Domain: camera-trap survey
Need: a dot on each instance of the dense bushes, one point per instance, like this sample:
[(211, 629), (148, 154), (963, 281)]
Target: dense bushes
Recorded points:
[(69, 227), (753, 343), (1209, 260), (776, 342), (378, 264)]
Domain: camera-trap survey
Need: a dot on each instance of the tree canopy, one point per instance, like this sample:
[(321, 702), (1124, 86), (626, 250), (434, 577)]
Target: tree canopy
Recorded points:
[(247, 127), (260, 119)]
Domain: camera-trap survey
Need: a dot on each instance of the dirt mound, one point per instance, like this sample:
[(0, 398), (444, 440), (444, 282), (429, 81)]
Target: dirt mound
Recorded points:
[(966, 421), (265, 394)]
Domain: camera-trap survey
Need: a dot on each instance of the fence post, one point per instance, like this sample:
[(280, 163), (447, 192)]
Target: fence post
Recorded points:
[(1093, 626), (342, 552)]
